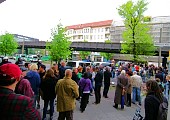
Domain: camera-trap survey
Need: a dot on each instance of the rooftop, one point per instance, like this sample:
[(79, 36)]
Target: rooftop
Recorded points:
[(92, 24)]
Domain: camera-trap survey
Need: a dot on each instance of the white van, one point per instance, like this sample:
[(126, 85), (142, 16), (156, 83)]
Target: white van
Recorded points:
[(77, 63)]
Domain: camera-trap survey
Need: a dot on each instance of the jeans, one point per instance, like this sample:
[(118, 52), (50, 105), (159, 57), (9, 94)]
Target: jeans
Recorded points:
[(136, 95), (166, 92), (46, 106), (113, 74)]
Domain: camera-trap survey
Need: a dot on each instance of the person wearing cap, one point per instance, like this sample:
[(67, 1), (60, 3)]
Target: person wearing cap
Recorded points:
[(4, 61), (14, 106)]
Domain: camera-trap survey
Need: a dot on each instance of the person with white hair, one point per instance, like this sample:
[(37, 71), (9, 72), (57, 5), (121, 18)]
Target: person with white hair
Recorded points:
[(4, 61), (122, 84), (34, 79), (136, 87)]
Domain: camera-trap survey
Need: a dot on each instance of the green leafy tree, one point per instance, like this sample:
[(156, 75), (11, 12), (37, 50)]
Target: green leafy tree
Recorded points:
[(59, 47), (8, 45), (136, 38), (84, 54), (107, 56)]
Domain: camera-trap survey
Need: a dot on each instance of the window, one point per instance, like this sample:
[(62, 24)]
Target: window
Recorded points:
[(98, 29), (101, 36), (98, 36)]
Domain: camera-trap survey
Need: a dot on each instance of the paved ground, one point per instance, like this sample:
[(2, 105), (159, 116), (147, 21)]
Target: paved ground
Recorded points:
[(102, 111)]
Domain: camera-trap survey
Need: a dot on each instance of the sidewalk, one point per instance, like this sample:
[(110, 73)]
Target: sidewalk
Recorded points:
[(102, 111)]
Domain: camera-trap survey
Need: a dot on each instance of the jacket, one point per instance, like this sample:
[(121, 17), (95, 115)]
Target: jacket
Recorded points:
[(107, 76), (136, 81), (86, 84), (48, 88), (67, 92), (151, 107), (98, 78), (34, 79), (16, 107)]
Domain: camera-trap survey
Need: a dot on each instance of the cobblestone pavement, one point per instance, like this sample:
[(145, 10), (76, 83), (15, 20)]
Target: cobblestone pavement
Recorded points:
[(102, 111)]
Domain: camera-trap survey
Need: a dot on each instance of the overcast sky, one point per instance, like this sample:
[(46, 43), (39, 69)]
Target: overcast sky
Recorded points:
[(36, 18)]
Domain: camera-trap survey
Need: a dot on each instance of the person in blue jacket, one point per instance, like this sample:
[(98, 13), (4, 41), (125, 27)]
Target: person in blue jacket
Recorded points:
[(34, 79)]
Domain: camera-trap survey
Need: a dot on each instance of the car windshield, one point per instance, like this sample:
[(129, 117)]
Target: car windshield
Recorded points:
[(23, 56), (35, 57), (71, 64)]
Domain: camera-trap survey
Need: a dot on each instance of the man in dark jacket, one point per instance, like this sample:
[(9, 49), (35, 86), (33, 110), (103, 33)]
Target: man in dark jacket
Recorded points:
[(107, 76), (98, 84), (62, 70)]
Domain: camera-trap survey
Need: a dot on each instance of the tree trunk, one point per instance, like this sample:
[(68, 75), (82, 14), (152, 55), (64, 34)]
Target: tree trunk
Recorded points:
[(134, 47)]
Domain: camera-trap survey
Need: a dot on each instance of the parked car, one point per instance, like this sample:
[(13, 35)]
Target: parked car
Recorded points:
[(32, 58), (22, 56), (45, 58), (72, 64)]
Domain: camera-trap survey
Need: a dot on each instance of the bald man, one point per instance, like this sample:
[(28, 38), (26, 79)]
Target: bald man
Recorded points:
[(67, 92)]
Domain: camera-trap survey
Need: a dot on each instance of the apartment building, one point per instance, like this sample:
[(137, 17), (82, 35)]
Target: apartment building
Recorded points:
[(91, 32), (156, 24)]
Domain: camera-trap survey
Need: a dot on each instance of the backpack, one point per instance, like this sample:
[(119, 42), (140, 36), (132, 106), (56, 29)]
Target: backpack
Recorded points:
[(163, 109)]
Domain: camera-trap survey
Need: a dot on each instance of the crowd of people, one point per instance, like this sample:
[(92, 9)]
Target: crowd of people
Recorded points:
[(22, 88)]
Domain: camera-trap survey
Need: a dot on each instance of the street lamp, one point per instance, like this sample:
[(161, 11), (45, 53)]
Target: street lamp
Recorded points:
[(23, 42)]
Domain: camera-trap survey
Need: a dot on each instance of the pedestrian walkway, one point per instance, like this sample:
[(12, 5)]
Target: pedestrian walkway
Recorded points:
[(102, 111)]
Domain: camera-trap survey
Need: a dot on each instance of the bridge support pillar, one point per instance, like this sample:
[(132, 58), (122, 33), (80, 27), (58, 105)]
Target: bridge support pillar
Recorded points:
[(26, 51), (164, 62)]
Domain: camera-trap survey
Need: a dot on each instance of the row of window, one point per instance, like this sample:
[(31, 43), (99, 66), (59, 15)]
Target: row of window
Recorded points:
[(89, 30), (94, 37)]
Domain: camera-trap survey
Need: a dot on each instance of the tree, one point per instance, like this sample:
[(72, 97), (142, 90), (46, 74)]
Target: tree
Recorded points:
[(8, 45), (84, 54), (108, 56), (136, 38), (59, 47)]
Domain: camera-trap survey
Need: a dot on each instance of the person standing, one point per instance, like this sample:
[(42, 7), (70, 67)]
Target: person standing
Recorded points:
[(121, 87), (98, 84), (85, 86), (4, 61), (107, 76), (67, 92), (136, 88), (48, 89), (34, 79), (62, 69), (129, 89), (23, 87), (153, 99), (14, 106)]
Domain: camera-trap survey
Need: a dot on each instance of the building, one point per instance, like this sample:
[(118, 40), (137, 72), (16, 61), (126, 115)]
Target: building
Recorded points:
[(159, 25), (91, 32), (22, 38)]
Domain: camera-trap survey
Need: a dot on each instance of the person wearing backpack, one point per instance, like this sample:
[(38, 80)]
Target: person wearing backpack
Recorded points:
[(155, 102)]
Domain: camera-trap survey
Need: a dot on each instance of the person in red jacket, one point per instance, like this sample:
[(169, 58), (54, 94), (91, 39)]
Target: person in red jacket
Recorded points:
[(14, 106)]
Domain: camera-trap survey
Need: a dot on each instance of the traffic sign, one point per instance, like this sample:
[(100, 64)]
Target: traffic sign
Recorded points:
[(162, 44)]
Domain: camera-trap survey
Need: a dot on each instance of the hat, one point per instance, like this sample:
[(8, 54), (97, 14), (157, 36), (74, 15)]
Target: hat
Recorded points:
[(10, 71)]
